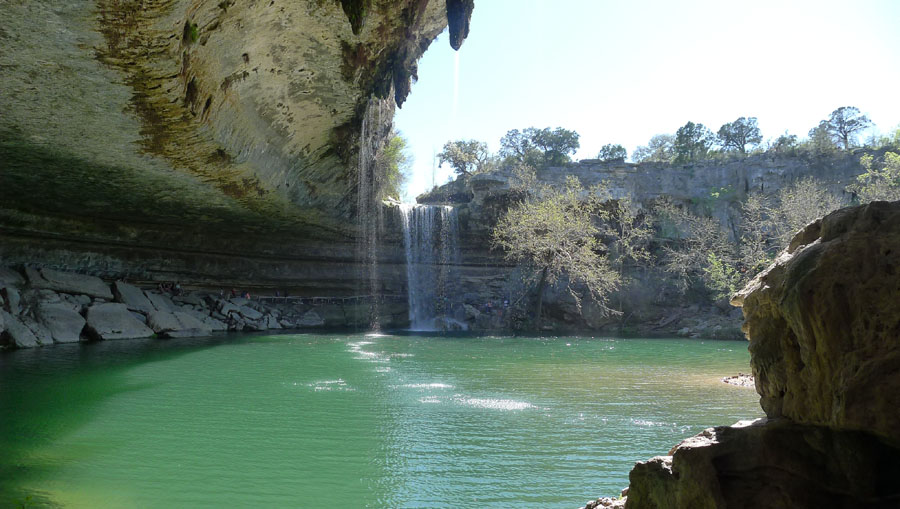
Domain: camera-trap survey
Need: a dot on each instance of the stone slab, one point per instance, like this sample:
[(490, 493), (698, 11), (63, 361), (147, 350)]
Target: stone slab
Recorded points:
[(133, 297), (69, 282), (64, 324), (114, 321)]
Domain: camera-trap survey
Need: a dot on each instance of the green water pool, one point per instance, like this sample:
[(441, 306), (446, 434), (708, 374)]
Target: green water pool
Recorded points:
[(309, 420)]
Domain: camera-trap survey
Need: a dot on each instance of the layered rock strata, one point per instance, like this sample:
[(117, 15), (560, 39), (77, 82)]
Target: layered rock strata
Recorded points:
[(824, 328), (199, 140)]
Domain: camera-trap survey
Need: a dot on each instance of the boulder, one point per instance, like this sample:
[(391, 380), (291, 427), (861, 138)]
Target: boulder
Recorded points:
[(215, 325), (160, 302), (9, 277), (189, 298), (311, 319), (64, 324), (114, 321), (773, 464), (225, 308), (176, 324), (824, 323), (11, 298), (20, 336), (249, 313), (271, 322), (69, 282), (40, 331), (133, 297)]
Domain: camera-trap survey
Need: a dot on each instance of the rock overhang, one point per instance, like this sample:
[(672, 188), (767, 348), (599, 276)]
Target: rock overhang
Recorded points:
[(237, 116)]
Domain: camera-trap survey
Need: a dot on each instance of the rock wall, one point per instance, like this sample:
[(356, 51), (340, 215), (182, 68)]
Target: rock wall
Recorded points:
[(199, 140), (716, 188), (824, 330)]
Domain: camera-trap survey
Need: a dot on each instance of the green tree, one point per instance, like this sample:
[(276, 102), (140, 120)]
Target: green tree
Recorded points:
[(552, 233), (880, 181), (540, 148), (465, 156), (820, 141), (692, 142), (693, 239), (660, 149), (740, 133), (610, 152), (845, 122), (784, 143), (397, 165)]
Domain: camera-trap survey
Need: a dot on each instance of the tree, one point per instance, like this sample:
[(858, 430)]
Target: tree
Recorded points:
[(820, 141), (539, 148), (610, 152), (397, 165), (845, 122), (465, 156), (801, 203), (698, 244), (738, 134), (552, 234), (660, 149), (692, 142), (784, 143), (878, 183)]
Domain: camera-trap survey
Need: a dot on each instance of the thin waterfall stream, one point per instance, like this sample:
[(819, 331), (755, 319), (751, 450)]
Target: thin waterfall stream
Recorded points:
[(431, 242)]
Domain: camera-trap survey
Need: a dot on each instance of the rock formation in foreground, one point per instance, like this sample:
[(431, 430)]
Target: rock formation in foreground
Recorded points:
[(824, 328)]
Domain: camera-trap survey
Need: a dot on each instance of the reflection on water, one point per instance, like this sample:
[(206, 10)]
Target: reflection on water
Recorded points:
[(326, 420)]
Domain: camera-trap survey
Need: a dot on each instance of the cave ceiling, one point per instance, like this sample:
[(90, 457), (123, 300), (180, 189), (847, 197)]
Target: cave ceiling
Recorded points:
[(213, 114)]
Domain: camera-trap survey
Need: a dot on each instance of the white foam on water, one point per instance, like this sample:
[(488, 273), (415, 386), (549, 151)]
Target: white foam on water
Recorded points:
[(428, 386), (493, 403), (330, 385), (429, 399)]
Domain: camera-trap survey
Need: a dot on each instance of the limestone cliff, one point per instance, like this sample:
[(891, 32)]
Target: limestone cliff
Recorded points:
[(717, 188), (138, 132)]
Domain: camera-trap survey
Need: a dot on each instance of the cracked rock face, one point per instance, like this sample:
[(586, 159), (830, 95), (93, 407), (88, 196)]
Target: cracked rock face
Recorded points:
[(236, 114), (824, 323)]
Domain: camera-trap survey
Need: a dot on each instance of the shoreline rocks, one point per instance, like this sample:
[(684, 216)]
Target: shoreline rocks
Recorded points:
[(44, 306)]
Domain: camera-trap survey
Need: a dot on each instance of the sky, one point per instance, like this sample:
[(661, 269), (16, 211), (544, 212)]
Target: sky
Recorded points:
[(623, 71)]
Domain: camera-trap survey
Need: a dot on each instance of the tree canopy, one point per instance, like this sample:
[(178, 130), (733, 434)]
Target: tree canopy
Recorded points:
[(610, 152), (397, 164), (660, 149), (465, 156), (845, 122), (692, 142), (552, 233), (540, 148), (880, 181), (740, 133)]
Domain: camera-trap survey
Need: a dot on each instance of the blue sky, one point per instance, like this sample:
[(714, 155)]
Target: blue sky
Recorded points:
[(620, 72)]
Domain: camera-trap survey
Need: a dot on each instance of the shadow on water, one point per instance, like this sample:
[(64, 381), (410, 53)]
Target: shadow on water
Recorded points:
[(47, 393)]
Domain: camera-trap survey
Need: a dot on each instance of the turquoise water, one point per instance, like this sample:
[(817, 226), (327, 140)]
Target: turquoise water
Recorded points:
[(326, 420)]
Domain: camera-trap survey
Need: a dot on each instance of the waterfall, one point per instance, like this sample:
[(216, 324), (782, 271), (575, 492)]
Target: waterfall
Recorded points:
[(375, 129), (431, 241)]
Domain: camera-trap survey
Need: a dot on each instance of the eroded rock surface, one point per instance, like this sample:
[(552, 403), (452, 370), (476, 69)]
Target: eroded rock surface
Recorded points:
[(824, 323), (775, 464), (824, 328)]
